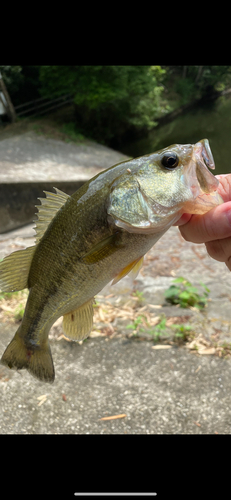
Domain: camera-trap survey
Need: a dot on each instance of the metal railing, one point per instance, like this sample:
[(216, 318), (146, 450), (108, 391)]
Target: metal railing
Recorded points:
[(47, 106)]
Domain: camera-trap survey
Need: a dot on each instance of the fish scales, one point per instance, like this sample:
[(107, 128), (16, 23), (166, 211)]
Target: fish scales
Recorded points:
[(99, 234)]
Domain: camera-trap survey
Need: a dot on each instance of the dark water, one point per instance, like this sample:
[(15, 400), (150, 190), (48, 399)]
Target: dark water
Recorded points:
[(212, 121)]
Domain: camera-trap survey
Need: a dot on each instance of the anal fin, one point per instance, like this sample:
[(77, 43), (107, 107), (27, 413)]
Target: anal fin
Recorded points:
[(78, 323)]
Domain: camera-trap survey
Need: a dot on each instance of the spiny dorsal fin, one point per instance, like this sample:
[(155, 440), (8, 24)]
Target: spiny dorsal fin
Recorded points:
[(48, 209)]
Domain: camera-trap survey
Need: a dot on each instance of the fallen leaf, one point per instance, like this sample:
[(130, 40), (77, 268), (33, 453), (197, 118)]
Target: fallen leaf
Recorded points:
[(161, 347), (113, 417), (94, 333), (206, 350), (7, 308), (64, 337), (201, 345), (42, 399)]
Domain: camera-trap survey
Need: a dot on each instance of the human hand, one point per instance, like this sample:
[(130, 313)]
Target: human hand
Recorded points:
[(214, 227)]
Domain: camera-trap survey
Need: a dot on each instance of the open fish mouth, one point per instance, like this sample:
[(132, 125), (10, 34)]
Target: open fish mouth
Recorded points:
[(202, 182), (202, 148), (204, 160)]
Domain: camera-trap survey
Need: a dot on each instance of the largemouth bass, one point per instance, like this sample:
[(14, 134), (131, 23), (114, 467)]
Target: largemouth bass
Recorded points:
[(99, 234)]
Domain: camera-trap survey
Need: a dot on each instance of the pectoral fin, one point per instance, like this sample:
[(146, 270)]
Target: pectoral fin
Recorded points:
[(132, 268), (14, 270), (77, 324), (102, 250)]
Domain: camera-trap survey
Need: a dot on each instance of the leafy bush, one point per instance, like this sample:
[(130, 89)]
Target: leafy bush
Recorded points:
[(186, 295), (110, 101)]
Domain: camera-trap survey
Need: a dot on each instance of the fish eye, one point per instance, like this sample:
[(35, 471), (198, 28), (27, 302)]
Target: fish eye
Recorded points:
[(170, 160)]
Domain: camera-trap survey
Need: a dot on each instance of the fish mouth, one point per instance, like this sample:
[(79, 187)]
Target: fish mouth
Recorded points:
[(202, 182), (203, 157), (202, 148)]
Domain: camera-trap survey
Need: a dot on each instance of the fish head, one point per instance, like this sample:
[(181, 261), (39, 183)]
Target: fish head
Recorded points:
[(155, 190)]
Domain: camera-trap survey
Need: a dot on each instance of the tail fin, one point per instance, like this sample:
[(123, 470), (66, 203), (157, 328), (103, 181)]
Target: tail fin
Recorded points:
[(38, 361)]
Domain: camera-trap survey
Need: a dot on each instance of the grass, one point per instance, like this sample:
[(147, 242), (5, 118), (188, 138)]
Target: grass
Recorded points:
[(71, 132), (58, 125), (187, 295), (142, 322), (163, 329), (66, 132)]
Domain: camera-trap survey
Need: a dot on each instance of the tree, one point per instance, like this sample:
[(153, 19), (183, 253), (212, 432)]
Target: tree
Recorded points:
[(12, 76), (110, 101), (10, 108), (194, 82)]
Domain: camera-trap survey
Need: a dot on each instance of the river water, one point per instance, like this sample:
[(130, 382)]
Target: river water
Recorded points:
[(211, 121)]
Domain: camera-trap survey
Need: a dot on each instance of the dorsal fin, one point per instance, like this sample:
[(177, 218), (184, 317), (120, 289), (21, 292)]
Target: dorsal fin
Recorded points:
[(48, 209)]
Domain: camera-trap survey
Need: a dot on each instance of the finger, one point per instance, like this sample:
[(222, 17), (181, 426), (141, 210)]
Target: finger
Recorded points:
[(220, 250), (214, 225), (224, 188), (183, 219)]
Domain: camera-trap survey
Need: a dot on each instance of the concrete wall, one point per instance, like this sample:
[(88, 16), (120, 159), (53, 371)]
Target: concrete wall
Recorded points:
[(17, 201)]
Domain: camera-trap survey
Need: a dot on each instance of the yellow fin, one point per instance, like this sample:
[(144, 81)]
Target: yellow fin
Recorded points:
[(77, 324), (14, 270), (101, 250), (38, 361), (132, 268), (48, 209)]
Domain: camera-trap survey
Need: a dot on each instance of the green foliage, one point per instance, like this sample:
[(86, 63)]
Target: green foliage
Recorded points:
[(139, 297), (182, 331), (161, 330), (193, 82), (13, 78), (116, 104), (137, 321), (109, 100), (19, 311), (6, 295), (185, 87), (186, 295), (15, 302), (22, 83), (71, 132)]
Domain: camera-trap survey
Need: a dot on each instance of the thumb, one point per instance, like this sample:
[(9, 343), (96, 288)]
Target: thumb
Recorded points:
[(215, 224)]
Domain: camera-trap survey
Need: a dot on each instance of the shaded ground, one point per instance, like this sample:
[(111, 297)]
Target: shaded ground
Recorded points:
[(171, 390)]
